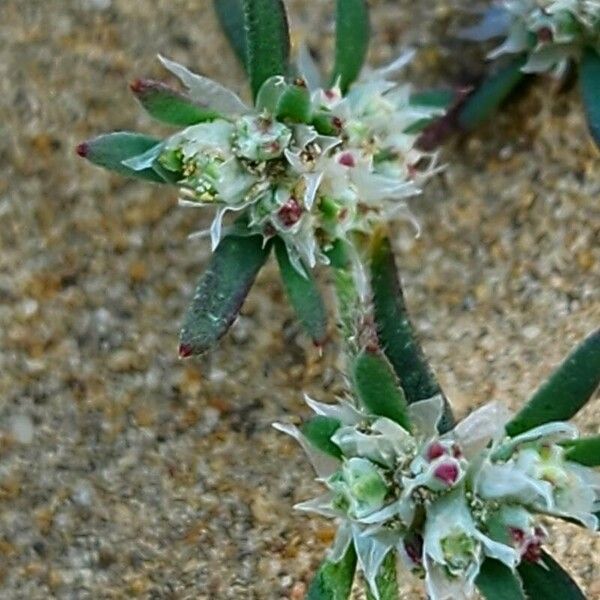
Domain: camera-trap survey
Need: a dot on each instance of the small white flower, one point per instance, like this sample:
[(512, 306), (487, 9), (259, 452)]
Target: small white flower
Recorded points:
[(532, 469), (552, 32), (444, 503), (454, 549), (350, 165)]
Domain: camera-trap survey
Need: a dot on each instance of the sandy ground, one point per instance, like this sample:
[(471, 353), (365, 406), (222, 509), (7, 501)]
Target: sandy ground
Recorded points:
[(125, 473)]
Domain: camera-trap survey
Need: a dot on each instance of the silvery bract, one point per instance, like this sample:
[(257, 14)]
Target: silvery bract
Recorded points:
[(443, 503), (552, 32), (351, 163)]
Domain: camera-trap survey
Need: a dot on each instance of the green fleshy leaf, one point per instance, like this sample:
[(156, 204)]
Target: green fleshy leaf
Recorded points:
[(168, 105), (304, 295), (490, 94), (111, 149), (589, 76), (378, 388), (352, 32), (585, 451), (441, 99), (269, 94), (333, 581), (231, 17), (221, 291), (566, 391), (268, 42), (396, 333), (318, 432), (497, 582), (433, 98), (548, 580), (295, 104), (386, 580)]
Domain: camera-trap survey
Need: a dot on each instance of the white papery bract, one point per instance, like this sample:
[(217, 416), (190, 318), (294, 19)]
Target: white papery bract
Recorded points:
[(350, 163), (443, 503), (551, 32)]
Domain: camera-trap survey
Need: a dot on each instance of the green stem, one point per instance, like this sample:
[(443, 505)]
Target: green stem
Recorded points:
[(351, 307)]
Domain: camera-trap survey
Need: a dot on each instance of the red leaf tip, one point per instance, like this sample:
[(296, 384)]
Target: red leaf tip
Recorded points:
[(82, 149), (137, 86), (185, 350)]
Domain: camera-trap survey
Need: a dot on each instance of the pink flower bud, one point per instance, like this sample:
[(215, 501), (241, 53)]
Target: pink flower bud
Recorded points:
[(290, 212), (447, 472), (347, 160), (435, 450)]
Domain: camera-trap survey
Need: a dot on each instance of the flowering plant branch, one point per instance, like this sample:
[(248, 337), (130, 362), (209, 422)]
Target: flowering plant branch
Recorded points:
[(540, 36), (458, 507), (315, 171), (307, 168)]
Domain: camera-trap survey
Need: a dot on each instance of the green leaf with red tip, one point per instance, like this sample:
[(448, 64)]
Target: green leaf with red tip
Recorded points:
[(221, 291), (352, 32), (333, 581), (111, 149), (589, 77), (168, 105), (267, 39), (486, 99), (386, 580), (378, 388), (319, 430), (231, 17), (585, 451), (303, 294), (547, 579), (395, 331), (566, 391), (496, 581)]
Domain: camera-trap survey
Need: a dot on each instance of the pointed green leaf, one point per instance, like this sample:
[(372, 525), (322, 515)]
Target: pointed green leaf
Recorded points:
[(386, 580), (566, 391), (433, 98), (304, 295), (111, 149), (168, 105), (378, 388), (548, 580), (333, 581), (585, 451), (352, 34), (490, 94), (268, 42), (318, 432), (497, 582), (221, 291), (589, 76), (396, 333), (231, 17)]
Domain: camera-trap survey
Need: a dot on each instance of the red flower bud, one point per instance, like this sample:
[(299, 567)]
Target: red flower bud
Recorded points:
[(447, 472)]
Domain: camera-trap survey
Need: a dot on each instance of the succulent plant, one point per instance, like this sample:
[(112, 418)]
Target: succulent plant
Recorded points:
[(540, 36), (308, 167), (316, 171), (458, 506)]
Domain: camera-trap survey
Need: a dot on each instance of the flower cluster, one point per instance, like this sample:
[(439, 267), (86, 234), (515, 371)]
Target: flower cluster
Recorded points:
[(306, 164), (444, 503), (552, 32)]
